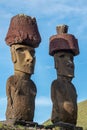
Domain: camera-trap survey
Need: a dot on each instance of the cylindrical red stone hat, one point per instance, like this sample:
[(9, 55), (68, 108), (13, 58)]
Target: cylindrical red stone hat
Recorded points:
[(23, 30), (63, 41)]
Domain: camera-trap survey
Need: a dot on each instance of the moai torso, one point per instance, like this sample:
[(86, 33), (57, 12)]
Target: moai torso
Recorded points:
[(64, 98), (21, 98)]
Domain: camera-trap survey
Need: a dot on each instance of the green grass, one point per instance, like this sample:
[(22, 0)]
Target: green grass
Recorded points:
[(1, 125), (16, 127), (82, 114), (48, 122)]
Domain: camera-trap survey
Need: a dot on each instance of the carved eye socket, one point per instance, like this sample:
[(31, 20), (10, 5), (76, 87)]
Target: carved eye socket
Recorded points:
[(62, 56), (20, 49)]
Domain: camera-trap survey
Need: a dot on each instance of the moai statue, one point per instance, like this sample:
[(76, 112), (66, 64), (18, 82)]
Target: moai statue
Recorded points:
[(22, 37), (64, 47)]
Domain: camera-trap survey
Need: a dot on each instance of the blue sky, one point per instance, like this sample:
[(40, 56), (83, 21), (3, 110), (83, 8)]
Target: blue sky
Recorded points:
[(49, 14)]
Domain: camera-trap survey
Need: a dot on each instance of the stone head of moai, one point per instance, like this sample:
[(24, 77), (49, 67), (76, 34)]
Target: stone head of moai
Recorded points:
[(23, 58), (63, 47), (22, 37)]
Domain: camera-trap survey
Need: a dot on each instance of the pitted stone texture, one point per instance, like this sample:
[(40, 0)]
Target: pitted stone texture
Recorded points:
[(63, 47), (64, 97), (23, 29), (63, 42), (62, 29), (21, 99), (63, 92)]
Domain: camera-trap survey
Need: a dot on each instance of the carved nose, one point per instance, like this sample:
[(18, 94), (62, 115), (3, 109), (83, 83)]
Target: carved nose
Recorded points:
[(29, 57), (69, 61), (70, 64)]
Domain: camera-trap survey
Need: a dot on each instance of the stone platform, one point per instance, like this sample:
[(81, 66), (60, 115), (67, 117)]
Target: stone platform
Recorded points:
[(63, 126), (25, 125)]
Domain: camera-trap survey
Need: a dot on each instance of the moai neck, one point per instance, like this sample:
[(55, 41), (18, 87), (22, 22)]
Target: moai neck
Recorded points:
[(22, 74), (64, 78)]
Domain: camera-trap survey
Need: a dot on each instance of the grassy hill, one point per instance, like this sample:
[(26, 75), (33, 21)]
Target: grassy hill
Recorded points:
[(82, 115)]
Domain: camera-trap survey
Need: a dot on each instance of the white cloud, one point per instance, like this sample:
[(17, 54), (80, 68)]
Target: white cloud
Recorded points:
[(43, 101), (52, 7), (45, 7)]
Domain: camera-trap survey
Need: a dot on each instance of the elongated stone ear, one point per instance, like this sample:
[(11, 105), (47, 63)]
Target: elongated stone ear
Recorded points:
[(13, 54), (56, 61)]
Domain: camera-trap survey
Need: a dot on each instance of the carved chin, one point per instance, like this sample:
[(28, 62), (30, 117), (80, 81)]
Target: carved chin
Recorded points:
[(28, 70)]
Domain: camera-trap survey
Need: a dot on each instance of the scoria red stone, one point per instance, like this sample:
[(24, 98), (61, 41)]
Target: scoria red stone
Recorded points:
[(23, 29)]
